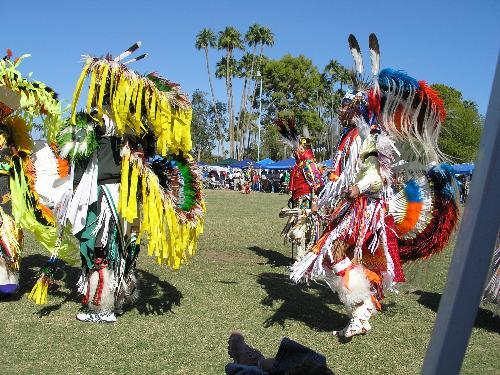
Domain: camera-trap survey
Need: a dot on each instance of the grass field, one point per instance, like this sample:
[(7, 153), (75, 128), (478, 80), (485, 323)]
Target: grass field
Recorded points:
[(238, 279)]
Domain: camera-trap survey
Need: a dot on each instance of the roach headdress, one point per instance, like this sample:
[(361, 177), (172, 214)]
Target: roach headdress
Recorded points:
[(407, 109)]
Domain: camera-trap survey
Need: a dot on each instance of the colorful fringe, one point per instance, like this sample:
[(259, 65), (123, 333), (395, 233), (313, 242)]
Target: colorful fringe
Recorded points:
[(46, 275), (411, 112), (36, 100), (11, 241), (172, 226), (29, 216), (139, 103)]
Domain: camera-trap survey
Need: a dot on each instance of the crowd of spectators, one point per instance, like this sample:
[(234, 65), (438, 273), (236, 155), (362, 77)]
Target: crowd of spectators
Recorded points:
[(277, 181), (246, 180)]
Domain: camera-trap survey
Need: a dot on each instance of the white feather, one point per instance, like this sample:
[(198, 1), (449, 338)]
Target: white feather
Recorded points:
[(128, 52), (375, 59), (358, 60)]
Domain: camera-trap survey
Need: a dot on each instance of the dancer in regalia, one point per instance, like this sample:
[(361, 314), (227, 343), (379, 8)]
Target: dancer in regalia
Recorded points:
[(133, 176), (22, 101), (305, 183), (369, 230)]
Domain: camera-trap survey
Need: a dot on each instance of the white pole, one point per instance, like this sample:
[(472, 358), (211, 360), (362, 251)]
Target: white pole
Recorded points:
[(473, 252), (260, 114)]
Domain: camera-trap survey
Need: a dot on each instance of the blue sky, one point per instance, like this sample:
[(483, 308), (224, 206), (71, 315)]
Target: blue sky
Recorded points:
[(451, 42)]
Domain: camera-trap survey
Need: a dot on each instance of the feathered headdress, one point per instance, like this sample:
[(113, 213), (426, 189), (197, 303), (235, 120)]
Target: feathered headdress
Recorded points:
[(409, 110), (412, 113), (359, 82), (27, 99), (136, 102), (288, 132)]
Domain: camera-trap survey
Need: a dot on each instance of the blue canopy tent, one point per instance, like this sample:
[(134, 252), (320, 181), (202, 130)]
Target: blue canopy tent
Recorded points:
[(245, 163), (226, 162), (327, 163), (282, 164), (465, 168), (262, 163)]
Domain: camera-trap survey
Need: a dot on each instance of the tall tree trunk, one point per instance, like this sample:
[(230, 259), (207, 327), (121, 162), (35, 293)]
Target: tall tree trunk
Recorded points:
[(247, 139), (212, 91), (229, 108), (254, 91), (256, 83), (218, 120), (221, 146), (232, 114), (243, 115)]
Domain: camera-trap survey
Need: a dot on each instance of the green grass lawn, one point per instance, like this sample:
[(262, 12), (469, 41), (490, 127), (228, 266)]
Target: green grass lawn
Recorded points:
[(238, 279)]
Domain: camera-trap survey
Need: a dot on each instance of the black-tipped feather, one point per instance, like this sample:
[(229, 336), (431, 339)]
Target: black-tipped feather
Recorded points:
[(356, 53), (374, 53), (128, 51), (135, 59)]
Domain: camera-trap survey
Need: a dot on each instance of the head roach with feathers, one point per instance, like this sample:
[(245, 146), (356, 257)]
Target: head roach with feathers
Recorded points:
[(407, 109), (356, 102)]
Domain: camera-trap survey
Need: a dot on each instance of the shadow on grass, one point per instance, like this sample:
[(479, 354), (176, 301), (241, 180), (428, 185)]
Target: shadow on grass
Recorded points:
[(156, 297), (307, 304), (274, 258), (65, 287), (484, 318)]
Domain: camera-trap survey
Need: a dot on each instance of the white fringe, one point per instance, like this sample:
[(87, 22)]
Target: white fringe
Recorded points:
[(359, 287)]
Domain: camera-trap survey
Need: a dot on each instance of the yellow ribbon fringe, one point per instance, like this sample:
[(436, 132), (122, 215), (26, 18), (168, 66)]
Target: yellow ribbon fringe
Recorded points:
[(171, 125), (170, 239), (39, 292)]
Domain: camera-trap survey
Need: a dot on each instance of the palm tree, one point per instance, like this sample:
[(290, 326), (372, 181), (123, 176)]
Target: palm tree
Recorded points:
[(206, 38), (334, 70), (345, 77), (265, 38), (245, 71), (253, 38), (230, 39)]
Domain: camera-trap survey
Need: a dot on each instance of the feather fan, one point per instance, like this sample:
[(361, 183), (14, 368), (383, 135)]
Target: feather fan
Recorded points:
[(288, 132)]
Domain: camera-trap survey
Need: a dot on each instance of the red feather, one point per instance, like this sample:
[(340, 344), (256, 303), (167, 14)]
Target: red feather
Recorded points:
[(435, 236), (373, 103), (428, 93)]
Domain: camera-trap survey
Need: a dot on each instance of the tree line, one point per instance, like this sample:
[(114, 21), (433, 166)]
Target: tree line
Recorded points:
[(292, 87)]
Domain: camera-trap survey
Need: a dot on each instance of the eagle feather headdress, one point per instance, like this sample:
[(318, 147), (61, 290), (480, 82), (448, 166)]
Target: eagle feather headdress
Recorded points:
[(409, 110)]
